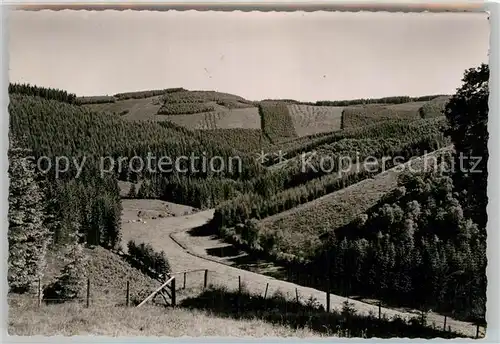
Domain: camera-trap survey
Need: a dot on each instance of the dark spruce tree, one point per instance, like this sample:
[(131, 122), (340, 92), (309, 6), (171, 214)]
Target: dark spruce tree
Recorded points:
[(27, 235)]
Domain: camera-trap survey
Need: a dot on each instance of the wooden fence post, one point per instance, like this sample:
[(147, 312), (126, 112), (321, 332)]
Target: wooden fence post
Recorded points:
[(184, 286), (39, 292), (297, 295), (328, 302), (265, 293), (205, 280), (239, 295), (172, 288), (380, 309), (88, 292), (328, 287), (128, 294), (444, 326), (477, 331)]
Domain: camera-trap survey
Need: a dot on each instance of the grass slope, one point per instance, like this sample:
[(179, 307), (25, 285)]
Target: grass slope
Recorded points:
[(242, 118), (299, 229), (141, 109), (75, 319)]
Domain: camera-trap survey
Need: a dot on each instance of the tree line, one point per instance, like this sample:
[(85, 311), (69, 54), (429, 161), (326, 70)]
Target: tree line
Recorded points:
[(44, 92), (147, 94), (384, 100)]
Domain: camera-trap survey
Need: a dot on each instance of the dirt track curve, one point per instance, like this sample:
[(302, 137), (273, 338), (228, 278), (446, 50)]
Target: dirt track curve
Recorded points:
[(166, 234)]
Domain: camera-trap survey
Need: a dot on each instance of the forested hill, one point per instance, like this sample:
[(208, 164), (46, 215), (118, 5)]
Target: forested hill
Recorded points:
[(54, 128), (51, 128)]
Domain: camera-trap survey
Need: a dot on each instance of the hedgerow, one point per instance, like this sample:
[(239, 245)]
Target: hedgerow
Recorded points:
[(95, 100), (151, 262), (184, 108)]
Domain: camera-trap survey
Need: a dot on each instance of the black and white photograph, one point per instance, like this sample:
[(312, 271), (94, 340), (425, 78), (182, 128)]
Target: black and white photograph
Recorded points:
[(305, 174)]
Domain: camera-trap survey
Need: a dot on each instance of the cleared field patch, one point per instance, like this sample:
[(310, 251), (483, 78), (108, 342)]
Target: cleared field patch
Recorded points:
[(131, 109), (299, 229), (137, 210), (237, 118), (310, 120), (246, 118), (362, 115)]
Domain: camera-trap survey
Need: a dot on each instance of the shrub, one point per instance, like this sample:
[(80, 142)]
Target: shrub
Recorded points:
[(151, 262)]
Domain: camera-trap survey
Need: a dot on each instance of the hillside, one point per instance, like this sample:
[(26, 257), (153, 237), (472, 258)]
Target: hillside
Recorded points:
[(299, 229), (159, 104), (282, 204), (109, 273), (279, 121)]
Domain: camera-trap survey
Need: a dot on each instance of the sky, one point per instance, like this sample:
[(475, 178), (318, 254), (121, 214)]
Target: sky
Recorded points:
[(306, 56)]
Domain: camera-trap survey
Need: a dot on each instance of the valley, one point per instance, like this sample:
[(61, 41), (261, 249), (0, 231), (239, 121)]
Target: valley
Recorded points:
[(269, 224)]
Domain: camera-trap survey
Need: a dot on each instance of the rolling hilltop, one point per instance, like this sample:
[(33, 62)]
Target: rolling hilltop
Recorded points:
[(406, 238)]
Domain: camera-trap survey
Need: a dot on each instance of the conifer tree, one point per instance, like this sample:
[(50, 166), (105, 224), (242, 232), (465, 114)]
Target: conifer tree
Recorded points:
[(28, 237), (71, 281)]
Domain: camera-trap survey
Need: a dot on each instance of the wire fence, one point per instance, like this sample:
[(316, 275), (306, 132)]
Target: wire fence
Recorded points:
[(190, 283)]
